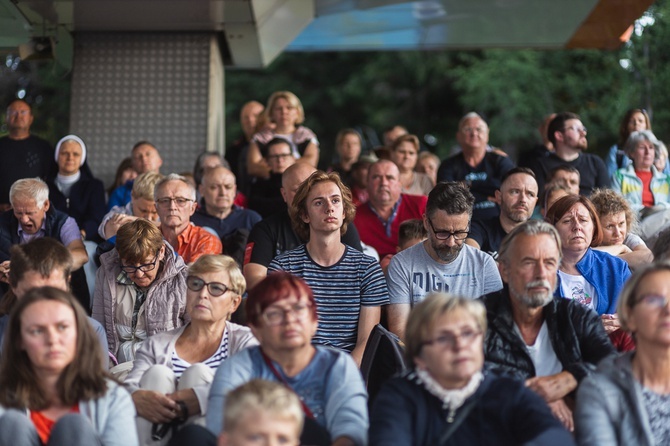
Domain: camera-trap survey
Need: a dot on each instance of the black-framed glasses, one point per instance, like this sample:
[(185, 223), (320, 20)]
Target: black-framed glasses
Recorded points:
[(449, 340), (179, 201), (276, 316), (280, 156), (444, 235), (144, 268), (216, 289), (655, 301)]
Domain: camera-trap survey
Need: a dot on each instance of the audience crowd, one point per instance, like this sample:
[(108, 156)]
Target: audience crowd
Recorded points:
[(262, 299)]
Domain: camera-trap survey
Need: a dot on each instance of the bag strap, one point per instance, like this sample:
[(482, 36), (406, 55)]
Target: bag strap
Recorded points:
[(458, 420), (281, 378)]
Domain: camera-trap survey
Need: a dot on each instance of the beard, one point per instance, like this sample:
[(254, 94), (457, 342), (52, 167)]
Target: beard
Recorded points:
[(446, 253), (536, 299)]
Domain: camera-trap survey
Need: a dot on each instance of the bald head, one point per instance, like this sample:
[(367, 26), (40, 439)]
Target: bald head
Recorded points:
[(292, 177), (249, 117), (218, 190)]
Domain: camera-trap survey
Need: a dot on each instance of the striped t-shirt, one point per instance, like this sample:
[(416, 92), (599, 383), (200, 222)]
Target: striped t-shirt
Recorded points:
[(340, 290), (179, 366)]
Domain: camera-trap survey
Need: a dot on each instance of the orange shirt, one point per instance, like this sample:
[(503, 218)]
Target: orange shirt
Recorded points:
[(196, 241), (45, 425)]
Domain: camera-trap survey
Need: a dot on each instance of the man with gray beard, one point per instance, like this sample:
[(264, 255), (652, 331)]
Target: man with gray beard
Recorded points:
[(442, 263), (551, 343)]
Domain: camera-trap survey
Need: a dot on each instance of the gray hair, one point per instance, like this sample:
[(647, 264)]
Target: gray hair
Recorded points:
[(637, 137), (175, 177), (628, 296), (32, 188), (530, 227), (470, 115)]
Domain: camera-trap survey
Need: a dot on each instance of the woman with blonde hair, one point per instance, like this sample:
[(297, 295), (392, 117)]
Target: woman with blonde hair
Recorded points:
[(447, 398), (283, 116)]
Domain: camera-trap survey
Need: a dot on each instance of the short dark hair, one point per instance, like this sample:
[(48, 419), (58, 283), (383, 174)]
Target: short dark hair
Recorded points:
[(562, 168), (410, 230), (275, 142), (558, 123), (144, 142), (452, 197), (661, 248), (516, 170)]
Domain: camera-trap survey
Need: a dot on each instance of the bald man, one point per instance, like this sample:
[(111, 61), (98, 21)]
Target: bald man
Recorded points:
[(217, 211), (274, 234)]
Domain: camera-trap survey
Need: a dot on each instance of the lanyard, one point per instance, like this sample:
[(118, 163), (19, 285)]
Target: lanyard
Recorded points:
[(279, 376)]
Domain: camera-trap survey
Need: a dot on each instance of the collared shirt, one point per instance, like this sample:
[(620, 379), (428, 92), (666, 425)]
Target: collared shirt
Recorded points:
[(195, 241), (68, 233), (387, 223)]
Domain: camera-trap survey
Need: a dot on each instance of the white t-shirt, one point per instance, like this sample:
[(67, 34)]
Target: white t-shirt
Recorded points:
[(577, 288), (413, 274), (542, 353)]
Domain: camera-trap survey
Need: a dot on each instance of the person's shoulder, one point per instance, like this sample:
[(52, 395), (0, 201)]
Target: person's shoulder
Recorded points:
[(414, 201), (477, 254)]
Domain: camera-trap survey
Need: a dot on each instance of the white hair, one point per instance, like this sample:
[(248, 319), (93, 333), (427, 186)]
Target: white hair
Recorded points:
[(30, 188)]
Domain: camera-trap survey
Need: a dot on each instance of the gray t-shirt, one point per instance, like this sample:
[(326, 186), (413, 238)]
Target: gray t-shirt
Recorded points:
[(412, 274)]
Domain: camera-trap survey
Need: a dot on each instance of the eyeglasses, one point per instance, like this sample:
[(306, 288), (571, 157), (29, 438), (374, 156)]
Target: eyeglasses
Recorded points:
[(449, 340), (279, 156), (655, 301), (216, 289), (179, 201), (12, 113), (276, 316), (479, 130), (576, 129), (444, 235), (144, 268)]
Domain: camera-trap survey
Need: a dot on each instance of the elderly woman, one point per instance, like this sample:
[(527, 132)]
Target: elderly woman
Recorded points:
[(627, 401), (404, 153), (74, 190), (140, 289), (446, 398), (283, 114), (173, 370), (281, 312), (348, 285), (594, 278), (54, 388), (634, 120), (616, 218)]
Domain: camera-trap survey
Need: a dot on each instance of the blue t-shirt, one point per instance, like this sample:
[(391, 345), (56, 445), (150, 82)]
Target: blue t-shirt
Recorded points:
[(339, 290)]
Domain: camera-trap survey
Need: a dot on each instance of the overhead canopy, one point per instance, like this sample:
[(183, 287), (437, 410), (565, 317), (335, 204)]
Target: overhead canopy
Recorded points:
[(254, 32)]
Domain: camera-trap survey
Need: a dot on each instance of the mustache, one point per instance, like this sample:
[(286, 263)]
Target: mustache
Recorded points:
[(538, 283)]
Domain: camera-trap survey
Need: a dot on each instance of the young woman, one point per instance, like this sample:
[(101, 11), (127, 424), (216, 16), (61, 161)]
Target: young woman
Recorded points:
[(53, 389)]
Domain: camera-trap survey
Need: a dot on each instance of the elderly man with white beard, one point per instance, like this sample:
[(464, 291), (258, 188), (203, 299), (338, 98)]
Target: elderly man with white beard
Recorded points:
[(551, 343)]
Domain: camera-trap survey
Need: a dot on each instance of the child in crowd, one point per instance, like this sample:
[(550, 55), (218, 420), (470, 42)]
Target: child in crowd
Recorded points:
[(261, 410), (410, 233)]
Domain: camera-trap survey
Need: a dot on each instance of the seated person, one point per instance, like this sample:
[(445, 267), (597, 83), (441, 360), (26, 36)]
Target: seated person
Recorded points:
[(55, 389), (447, 386), (428, 163), (31, 217), (593, 278), (379, 218), (516, 197), (282, 314), (140, 289), (552, 192), (141, 205), (40, 262), (219, 212), (173, 370), (348, 144), (74, 190), (145, 158), (175, 203), (565, 174), (442, 263), (265, 196), (617, 218), (549, 342), (275, 234), (410, 233), (348, 286), (404, 153)]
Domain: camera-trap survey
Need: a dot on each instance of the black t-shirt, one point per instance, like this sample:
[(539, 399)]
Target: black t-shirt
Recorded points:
[(484, 179), (25, 158), (592, 171), (489, 234), (275, 235)]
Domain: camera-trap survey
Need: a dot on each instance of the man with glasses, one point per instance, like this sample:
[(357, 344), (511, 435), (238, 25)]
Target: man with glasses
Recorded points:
[(568, 135), (551, 343), (22, 155), (265, 195), (479, 165), (175, 203), (442, 263)]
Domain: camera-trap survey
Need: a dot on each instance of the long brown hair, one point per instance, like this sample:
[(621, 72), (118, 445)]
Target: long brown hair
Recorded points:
[(82, 379)]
